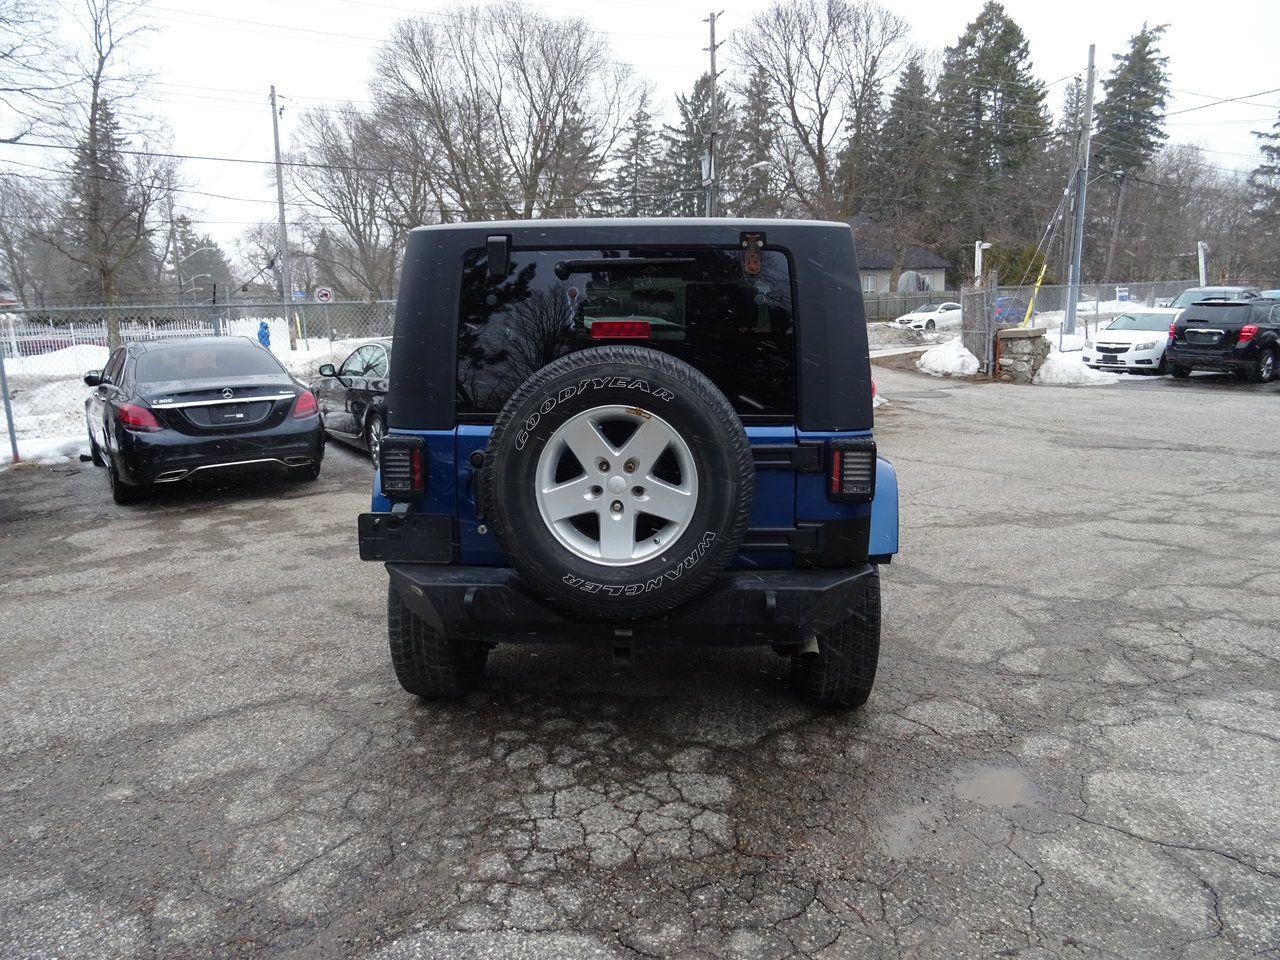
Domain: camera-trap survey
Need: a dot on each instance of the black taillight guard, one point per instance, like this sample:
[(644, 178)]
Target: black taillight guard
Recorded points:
[(851, 469), (403, 466)]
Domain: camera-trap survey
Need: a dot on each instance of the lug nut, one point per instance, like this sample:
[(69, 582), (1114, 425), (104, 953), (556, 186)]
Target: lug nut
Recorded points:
[(603, 465), (595, 491), (631, 465), (616, 506), (637, 491)]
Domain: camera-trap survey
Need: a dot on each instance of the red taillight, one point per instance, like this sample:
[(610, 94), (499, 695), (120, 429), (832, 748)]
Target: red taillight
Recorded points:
[(620, 330), (1172, 332), (415, 468), (136, 418), (1248, 332), (305, 405)]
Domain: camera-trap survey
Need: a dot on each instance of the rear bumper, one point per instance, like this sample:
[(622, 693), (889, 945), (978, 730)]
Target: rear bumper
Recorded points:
[(742, 609), (169, 456), (1200, 358)]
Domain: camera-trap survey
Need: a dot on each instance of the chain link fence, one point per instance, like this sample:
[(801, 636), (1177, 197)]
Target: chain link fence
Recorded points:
[(46, 353)]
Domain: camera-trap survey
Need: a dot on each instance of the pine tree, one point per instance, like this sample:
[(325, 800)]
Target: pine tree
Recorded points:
[(993, 120), (635, 186), (685, 144), (200, 261), (902, 195), (105, 234), (1264, 185), (758, 132), (856, 153), (1130, 120)]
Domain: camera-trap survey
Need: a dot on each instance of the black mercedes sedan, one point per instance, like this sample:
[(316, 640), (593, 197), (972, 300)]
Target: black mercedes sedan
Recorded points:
[(353, 397), (161, 412)]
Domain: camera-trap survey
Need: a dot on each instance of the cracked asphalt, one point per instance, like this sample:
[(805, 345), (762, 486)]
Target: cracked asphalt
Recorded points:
[(1073, 748)]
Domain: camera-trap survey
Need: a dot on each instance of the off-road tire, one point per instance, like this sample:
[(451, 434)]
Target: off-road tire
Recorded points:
[(672, 390), (1261, 371), (841, 673), (427, 663), (1179, 372)]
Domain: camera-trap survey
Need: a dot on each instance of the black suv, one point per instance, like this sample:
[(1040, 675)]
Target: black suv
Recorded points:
[(1239, 336), (632, 432)]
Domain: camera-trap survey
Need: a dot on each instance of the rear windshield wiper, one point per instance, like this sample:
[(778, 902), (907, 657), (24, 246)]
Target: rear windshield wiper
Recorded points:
[(565, 268)]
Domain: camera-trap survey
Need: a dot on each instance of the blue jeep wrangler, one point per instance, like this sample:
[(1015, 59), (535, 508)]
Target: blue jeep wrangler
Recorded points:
[(632, 432)]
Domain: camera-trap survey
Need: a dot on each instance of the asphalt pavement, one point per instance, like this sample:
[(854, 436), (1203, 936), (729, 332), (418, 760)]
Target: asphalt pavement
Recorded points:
[(1072, 750)]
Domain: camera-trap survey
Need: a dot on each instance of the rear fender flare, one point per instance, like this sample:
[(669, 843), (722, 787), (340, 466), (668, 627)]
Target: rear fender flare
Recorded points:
[(883, 539)]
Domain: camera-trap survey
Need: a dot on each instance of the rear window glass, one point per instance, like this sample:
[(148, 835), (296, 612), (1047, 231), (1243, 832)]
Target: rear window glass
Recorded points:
[(700, 306), (204, 361), (1233, 313)]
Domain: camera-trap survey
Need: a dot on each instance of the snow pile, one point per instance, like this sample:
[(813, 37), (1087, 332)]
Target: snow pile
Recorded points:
[(304, 363), (949, 359), (67, 362), (891, 335), (1067, 369), (46, 451)]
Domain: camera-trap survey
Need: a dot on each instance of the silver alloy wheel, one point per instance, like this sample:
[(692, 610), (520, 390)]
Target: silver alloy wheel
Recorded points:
[(1267, 367), (375, 438), (616, 485)]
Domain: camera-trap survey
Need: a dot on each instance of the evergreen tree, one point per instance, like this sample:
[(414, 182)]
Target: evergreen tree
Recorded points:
[(1264, 185), (758, 132), (1130, 119), (993, 114), (106, 232), (901, 198), (200, 262), (685, 144), (635, 186), (855, 158)]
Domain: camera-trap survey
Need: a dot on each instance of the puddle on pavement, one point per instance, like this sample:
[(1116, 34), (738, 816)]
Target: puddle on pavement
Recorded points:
[(995, 786)]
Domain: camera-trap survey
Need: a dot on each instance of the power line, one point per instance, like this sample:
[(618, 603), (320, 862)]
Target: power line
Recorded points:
[(1214, 103)]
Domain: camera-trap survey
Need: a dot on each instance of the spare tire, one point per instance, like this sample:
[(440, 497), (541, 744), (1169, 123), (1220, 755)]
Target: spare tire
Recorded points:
[(618, 481)]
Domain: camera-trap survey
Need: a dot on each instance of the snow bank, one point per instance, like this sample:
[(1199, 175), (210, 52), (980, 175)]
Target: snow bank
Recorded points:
[(46, 451), (1067, 369), (67, 362), (949, 359)]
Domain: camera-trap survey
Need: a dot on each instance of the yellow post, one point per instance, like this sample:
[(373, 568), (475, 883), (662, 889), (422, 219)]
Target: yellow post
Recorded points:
[(1026, 321)]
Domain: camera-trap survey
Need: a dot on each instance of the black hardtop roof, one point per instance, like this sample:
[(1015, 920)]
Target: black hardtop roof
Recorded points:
[(833, 370), (627, 229)]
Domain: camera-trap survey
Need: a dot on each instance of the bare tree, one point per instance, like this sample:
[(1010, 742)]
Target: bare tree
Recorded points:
[(827, 62), (32, 82), (360, 198), (516, 114), (112, 193)]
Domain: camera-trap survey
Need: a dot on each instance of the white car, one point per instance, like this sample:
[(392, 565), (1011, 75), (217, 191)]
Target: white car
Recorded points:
[(931, 316), (1132, 342)]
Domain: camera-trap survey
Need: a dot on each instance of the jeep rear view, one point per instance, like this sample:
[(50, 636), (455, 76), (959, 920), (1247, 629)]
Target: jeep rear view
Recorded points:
[(630, 433)]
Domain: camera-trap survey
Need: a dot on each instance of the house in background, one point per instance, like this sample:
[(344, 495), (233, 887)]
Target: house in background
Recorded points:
[(877, 253), (7, 297)]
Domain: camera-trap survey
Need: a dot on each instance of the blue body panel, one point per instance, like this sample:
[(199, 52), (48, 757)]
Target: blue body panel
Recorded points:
[(884, 511), (783, 497)]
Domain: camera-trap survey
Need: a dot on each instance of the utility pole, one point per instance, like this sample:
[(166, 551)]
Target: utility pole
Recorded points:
[(709, 174), (286, 279), (1082, 187), (1202, 248)]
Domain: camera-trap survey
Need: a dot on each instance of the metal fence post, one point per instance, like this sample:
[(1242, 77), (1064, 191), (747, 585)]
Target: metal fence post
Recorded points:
[(8, 411)]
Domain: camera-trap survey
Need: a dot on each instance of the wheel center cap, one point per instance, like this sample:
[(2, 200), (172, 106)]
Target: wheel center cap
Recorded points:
[(617, 484)]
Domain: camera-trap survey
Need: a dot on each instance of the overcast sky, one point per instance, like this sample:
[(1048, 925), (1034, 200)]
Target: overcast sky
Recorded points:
[(213, 65)]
